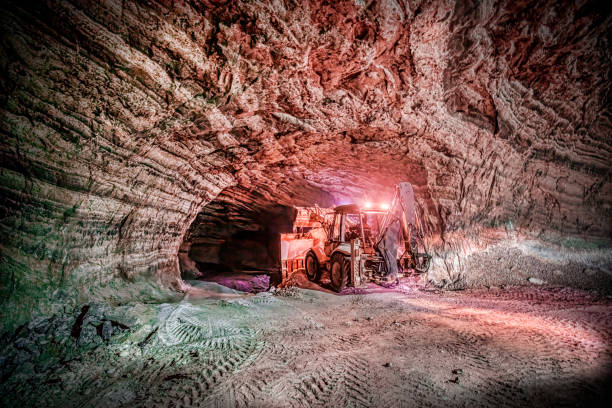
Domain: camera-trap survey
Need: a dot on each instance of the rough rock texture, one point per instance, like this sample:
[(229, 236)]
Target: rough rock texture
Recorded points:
[(121, 120)]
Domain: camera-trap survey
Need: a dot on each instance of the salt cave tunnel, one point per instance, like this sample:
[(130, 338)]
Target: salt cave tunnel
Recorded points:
[(150, 147)]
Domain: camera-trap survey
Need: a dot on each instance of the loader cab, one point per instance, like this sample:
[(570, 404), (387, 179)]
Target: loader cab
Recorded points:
[(351, 222), (345, 224)]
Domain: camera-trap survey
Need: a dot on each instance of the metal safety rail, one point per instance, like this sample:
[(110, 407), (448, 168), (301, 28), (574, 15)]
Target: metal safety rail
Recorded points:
[(290, 265)]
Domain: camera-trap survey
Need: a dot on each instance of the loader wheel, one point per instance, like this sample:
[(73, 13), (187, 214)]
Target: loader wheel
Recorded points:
[(311, 264), (339, 271)]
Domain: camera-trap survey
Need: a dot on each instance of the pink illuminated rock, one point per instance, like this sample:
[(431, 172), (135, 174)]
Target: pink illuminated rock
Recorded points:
[(122, 120)]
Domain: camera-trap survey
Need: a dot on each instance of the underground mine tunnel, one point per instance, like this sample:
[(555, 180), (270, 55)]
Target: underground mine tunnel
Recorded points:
[(237, 231), (382, 203)]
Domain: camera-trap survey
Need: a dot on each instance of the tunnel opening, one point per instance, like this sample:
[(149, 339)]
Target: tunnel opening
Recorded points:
[(235, 240)]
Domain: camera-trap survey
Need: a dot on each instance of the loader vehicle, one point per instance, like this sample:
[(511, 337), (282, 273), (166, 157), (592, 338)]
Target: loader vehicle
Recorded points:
[(374, 244)]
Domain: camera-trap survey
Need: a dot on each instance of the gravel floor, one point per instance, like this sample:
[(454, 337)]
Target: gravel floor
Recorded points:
[(405, 347)]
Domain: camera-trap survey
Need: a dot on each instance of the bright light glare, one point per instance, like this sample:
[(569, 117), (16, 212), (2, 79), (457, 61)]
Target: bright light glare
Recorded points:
[(368, 204), (384, 206)]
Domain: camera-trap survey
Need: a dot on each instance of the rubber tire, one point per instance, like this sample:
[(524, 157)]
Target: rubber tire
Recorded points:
[(313, 277), (343, 266)]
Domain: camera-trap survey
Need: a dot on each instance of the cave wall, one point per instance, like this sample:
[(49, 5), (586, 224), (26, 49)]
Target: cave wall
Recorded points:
[(121, 120)]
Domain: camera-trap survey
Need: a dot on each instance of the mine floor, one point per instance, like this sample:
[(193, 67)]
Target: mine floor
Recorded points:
[(300, 348)]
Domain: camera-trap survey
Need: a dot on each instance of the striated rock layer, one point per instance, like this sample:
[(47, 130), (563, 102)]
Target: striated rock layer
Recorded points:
[(121, 120)]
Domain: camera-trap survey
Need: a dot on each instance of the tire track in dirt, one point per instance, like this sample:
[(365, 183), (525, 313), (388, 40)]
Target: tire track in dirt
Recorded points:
[(355, 387), (191, 383), (547, 333), (295, 353), (192, 326), (463, 342), (278, 358), (411, 389), (191, 356), (549, 351), (285, 373), (335, 381)]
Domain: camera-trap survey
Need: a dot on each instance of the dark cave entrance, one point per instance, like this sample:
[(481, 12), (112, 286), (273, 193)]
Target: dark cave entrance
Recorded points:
[(236, 238)]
